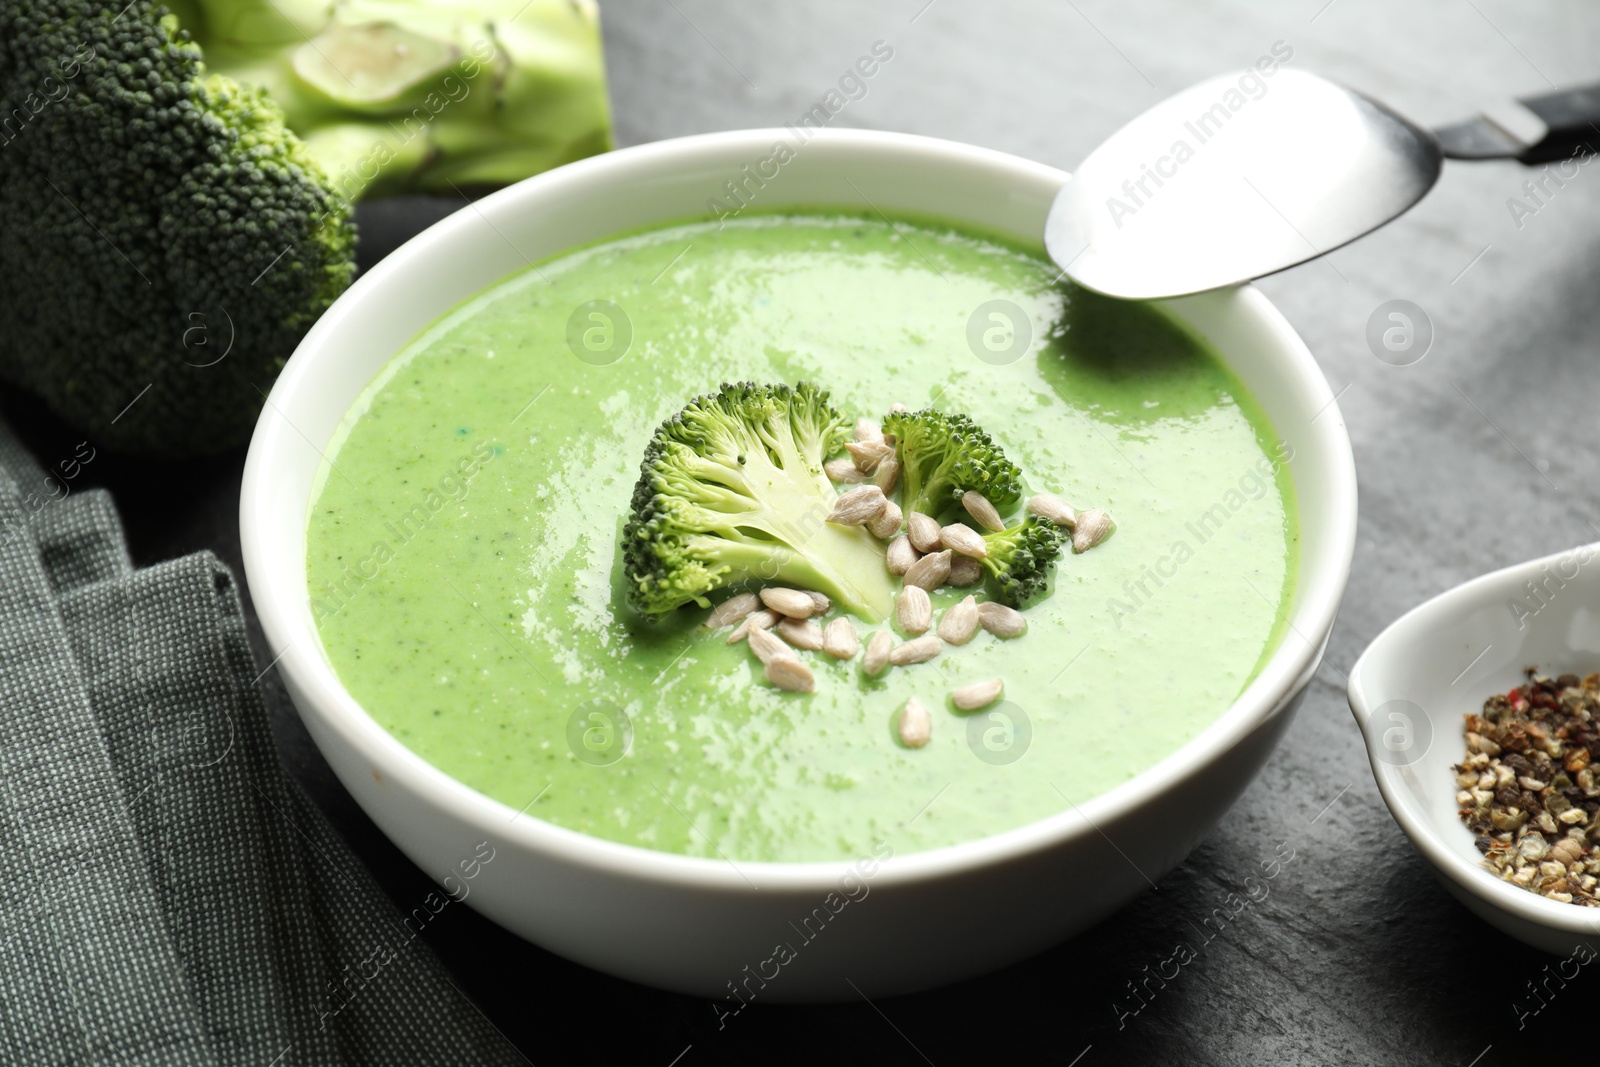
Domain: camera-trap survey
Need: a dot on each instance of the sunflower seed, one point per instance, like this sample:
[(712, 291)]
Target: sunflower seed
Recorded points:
[(839, 639), (879, 645), (959, 537), (844, 470), (900, 555), (914, 725), (914, 611), (756, 620), (982, 511), (887, 524), (868, 454), (930, 571), (1000, 620), (857, 506), (867, 430), (965, 571), (801, 633), (732, 610), (1052, 509), (786, 672), (886, 474), (960, 622), (1092, 527), (978, 694), (917, 650), (824, 605), (766, 646), (791, 602), (923, 530)]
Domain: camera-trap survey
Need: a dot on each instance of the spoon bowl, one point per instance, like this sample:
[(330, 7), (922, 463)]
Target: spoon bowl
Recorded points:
[(1414, 683), (1237, 177)]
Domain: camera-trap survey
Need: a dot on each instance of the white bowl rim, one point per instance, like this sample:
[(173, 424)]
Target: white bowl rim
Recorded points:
[(1471, 877), (1316, 596)]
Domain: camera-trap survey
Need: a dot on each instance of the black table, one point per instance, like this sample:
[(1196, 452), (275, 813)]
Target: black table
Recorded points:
[(1482, 454)]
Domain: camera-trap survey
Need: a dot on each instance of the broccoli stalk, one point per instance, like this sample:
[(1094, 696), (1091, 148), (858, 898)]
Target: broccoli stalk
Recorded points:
[(1020, 558), (404, 96), (732, 490), (943, 456)]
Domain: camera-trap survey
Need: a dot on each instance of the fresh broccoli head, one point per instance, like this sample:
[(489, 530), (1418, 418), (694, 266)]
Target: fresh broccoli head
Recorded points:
[(403, 96), (166, 240), (732, 490), (1020, 558), (943, 456)]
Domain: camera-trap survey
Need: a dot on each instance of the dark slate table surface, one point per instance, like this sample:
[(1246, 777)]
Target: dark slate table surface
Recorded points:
[(1482, 454)]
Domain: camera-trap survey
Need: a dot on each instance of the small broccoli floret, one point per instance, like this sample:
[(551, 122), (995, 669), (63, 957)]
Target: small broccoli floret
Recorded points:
[(1020, 558), (167, 241), (732, 489), (943, 456)]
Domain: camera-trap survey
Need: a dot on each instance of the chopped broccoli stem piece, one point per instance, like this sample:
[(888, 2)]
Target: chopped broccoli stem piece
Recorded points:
[(409, 96)]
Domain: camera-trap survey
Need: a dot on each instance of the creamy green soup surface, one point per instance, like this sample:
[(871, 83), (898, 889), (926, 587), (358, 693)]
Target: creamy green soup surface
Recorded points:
[(463, 561)]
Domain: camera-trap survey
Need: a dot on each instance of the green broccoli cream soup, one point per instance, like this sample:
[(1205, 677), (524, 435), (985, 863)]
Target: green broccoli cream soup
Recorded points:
[(465, 569)]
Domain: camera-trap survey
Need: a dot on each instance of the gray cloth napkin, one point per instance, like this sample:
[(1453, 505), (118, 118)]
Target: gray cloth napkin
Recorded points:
[(168, 895)]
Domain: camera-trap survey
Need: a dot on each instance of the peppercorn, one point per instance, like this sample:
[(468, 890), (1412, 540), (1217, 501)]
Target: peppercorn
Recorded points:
[(1542, 740)]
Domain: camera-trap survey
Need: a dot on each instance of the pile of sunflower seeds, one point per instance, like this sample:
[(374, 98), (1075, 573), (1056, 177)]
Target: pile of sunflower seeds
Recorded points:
[(779, 623), (1527, 788)]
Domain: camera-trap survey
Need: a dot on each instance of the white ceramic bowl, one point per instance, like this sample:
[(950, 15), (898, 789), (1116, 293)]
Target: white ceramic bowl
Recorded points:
[(694, 925), (1411, 687)]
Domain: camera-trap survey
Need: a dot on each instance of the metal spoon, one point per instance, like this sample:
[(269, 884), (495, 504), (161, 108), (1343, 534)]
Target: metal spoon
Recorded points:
[(1244, 175)]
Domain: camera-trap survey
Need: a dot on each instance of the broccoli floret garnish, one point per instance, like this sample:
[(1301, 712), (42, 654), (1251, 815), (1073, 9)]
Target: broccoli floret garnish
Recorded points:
[(943, 456), (732, 490), (1020, 558), (147, 206)]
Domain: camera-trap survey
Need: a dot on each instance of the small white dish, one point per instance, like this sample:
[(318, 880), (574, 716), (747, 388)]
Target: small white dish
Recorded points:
[(704, 926), (1412, 686)]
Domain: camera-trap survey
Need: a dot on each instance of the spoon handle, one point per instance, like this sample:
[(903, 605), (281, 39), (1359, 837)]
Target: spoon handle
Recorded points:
[(1535, 129), (1573, 118)]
